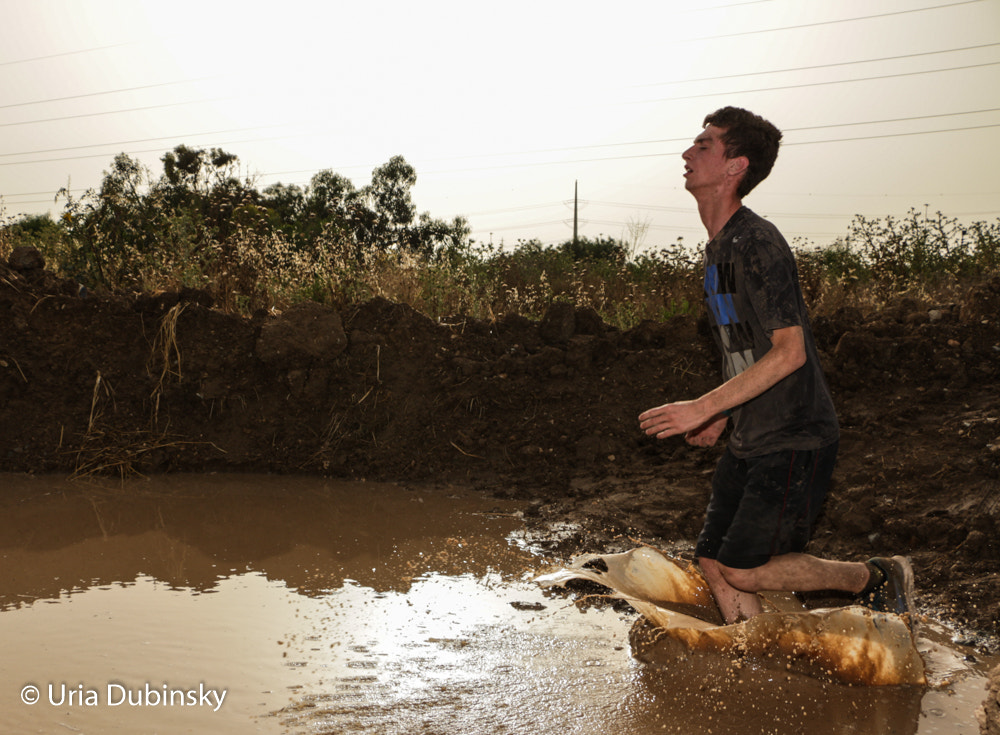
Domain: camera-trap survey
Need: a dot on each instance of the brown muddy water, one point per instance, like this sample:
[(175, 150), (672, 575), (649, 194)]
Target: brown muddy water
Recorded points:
[(257, 604)]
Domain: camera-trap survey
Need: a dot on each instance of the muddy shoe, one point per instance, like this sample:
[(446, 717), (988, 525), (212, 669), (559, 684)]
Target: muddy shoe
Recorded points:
[(891, 587)]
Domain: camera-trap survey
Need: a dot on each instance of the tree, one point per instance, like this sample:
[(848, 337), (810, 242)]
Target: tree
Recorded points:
[(390, 207), (331, 204), (204, 188), (34, 230), (112, 227), (199, 219), (430, 236), (600, 248), (192, 170), (285, 204), (182, 167)]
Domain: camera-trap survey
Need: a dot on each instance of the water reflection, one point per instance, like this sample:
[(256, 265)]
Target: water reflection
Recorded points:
[(330, 607), (191, 531)]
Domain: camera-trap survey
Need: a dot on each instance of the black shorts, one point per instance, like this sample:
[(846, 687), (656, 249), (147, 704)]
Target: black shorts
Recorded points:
[(764, 506)]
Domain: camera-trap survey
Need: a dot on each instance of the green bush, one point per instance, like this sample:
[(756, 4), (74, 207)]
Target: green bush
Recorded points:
[(918, 248), (199, 224)]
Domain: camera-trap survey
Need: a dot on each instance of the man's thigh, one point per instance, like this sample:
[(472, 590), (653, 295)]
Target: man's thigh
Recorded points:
[(765, 506)]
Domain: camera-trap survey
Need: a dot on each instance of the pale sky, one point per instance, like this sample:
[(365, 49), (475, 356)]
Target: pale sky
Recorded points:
[(886, 105)]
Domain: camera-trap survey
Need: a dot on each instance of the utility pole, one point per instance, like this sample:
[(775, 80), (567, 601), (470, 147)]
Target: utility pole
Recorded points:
[(575, 183)]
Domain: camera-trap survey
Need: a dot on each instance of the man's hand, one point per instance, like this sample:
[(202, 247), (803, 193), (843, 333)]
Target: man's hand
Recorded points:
[(671, 419), (708, 433)]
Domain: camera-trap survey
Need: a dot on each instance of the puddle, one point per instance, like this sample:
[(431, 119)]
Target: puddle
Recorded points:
[(310, 606)]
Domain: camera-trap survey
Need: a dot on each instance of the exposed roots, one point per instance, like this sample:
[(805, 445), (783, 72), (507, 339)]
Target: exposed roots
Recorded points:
[(166, 354), (108, 452), (101, 387)]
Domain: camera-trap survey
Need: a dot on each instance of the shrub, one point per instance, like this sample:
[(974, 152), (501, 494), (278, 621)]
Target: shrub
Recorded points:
[(200, 225)]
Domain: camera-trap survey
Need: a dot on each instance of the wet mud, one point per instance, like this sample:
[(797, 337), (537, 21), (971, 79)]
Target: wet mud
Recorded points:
[(319, 606), (542, 413)]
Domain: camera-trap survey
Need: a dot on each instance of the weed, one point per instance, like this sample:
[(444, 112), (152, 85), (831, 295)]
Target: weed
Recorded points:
[(200, 225), (167, 352)]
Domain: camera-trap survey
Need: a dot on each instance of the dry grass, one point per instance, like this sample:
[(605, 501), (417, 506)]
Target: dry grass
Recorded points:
[(166, 354), (111, 452), (254, 267), (107, 450)]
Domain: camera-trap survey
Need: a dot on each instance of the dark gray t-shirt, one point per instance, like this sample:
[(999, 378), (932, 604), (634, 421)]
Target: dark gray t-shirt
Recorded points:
[(752, 289)]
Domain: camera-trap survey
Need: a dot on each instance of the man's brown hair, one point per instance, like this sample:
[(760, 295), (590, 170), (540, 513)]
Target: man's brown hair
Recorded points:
[(750, 135)]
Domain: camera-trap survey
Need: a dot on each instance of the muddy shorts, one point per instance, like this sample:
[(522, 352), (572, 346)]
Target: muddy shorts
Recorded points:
[(764, 506)]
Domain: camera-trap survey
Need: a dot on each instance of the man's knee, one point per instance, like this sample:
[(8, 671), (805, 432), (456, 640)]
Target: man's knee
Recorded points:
[(710, 568), (745, 580)]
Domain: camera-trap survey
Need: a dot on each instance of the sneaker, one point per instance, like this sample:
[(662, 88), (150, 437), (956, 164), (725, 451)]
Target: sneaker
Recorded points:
[(894, 594)]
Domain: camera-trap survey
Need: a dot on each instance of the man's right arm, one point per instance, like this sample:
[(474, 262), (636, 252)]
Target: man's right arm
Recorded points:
[(787, 354)]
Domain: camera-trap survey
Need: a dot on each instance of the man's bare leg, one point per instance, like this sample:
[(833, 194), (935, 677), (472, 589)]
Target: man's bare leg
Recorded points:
[(735, 589)]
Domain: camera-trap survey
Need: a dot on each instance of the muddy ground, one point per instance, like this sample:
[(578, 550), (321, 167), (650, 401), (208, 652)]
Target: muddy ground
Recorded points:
[(542, 411)]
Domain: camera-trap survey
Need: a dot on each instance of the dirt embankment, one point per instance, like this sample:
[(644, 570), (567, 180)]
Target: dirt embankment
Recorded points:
[(539, 410)]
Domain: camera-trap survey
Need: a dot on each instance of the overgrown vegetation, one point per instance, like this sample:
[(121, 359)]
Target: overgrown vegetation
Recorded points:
[(201, 224)]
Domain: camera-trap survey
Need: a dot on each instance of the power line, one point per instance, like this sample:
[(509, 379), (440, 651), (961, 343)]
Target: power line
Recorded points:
[(684, 81), (659, 99), (893, 120), (829, 195), (93, 49), (116, 112), (661, 141), (817, 24), (146, 150), (677, 153), (575, 160), (65, 53), (549, 150), (657, 207), (828, 82), (109, 91), (464, 157), (502, 228), (766, 89), (507, 210), (709, 8), (634, 156), (814, 67), (133, 142), (615, 223), (588, 147), (894, 135)]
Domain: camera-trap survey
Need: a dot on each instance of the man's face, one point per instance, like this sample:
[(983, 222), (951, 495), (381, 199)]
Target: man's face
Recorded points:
[(705, 162)]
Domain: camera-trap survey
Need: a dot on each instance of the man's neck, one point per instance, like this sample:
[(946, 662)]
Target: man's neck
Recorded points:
[(716, 211)]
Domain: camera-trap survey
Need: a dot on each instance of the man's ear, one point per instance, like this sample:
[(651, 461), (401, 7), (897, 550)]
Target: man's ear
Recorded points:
[(737, 165)]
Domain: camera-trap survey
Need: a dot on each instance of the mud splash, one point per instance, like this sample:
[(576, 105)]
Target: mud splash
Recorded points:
[(322, 607), (848, 644)]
